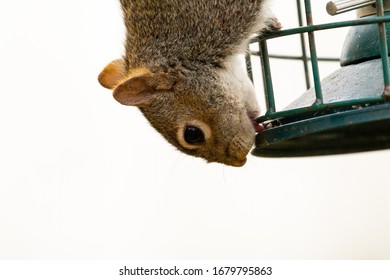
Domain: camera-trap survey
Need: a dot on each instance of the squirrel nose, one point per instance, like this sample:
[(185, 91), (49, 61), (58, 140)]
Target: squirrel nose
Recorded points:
[(239, 148), (235, 162)]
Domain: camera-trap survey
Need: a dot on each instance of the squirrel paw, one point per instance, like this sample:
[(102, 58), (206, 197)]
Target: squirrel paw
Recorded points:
[(274, 24)]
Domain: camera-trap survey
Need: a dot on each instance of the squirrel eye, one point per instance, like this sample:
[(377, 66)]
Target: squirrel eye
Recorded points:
[(193, 135)]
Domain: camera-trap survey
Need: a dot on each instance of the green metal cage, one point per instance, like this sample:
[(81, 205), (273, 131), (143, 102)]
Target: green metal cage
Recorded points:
[(348, 111)]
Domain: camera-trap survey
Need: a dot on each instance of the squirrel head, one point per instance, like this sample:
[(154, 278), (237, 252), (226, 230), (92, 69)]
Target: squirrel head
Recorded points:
[(202, 113)]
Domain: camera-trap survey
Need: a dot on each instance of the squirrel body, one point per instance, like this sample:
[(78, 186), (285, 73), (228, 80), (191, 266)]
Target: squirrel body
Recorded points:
[(181, 67)]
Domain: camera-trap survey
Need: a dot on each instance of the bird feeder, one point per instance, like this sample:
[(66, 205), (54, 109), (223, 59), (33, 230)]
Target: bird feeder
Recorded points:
[(348, 111)]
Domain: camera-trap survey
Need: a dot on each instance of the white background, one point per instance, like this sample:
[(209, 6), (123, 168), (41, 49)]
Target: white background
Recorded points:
[(83, 177)]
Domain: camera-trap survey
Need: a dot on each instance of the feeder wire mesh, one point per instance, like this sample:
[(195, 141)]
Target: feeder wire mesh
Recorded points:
[(302, 130)]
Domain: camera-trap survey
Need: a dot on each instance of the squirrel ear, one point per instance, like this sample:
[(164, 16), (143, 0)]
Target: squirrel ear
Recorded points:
[(140, 90), (112, 74)]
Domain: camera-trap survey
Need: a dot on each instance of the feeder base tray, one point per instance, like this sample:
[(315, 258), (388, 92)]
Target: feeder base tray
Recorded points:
[(340, 132)]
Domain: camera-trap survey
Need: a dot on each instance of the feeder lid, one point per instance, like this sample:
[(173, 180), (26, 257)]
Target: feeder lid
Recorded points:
[(362, 80), (362, 43)]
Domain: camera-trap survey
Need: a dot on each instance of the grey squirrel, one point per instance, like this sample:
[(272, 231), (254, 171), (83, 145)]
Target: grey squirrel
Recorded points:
[(181, 68)]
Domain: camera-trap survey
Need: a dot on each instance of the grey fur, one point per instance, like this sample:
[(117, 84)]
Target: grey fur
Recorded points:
[(179, 68)]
